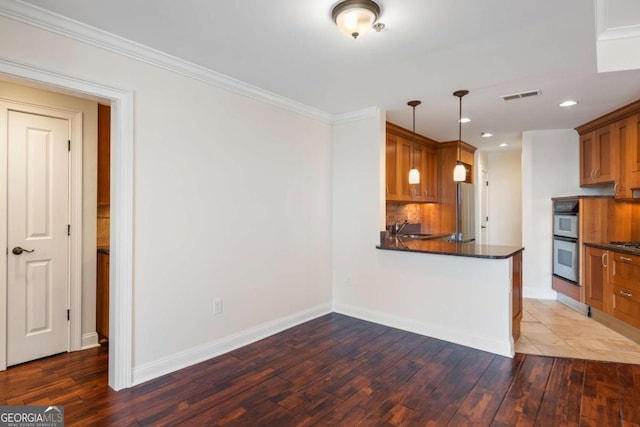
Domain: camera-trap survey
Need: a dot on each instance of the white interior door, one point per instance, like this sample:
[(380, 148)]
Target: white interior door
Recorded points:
[(38, 216)]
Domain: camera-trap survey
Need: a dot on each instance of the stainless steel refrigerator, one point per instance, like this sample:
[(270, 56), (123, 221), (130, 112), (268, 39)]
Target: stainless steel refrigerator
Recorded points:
[(465, 213)]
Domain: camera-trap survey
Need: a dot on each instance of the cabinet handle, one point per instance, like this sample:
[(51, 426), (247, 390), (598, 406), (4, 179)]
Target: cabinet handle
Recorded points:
[(626, 294), (597, 172), (604, 257), (593, 171), (615, 188), (387, 189), (624, 258)]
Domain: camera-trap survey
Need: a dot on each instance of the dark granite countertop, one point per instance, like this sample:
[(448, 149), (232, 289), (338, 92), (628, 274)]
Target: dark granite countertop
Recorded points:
[(103, 250), (617, 248), (445, 247)]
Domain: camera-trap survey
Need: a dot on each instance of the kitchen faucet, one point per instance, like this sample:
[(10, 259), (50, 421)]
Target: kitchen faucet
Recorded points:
[(398, 227)]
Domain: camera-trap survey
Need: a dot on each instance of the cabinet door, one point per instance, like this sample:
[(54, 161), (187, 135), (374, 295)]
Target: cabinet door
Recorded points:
[(418, 190), (631, 153), (596, 278), (625, 270), (605, 161), (430, 173), (587, 167), (392, 161), (404, 166), (104, 153)]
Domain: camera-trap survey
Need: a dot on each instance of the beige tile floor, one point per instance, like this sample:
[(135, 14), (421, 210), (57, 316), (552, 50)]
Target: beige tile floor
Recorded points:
[(550, 328)]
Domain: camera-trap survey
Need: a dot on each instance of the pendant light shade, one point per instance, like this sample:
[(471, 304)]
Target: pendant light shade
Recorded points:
[(414, 176), (414, 173), (460, 172)]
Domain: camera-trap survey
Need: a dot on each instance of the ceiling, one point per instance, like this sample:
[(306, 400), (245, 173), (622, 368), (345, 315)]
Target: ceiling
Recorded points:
[(428, 49)]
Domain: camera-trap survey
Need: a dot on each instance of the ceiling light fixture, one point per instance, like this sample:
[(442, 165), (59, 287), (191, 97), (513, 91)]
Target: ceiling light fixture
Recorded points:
[(460, 172), (568, 103), (486, 134), (354, 17), (414, 174), (464, 119), (504, 144)]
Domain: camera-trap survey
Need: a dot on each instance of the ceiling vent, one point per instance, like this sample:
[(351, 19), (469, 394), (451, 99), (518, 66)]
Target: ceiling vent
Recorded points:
[(521, 95)]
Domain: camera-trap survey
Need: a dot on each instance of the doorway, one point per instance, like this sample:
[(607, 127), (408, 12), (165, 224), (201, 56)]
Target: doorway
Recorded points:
[(121, 235)]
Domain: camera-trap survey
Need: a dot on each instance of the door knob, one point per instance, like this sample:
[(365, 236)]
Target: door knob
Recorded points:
[(18, 250)]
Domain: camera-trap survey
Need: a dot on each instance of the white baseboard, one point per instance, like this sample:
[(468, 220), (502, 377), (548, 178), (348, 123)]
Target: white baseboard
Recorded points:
[(89, 340), (456, 336), (212, 349), (537, 293)]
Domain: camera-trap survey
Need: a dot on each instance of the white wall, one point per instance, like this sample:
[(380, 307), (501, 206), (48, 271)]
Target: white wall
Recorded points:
[(89, 111), (550, 168), (232, 199), (505, 197), (459, 299)]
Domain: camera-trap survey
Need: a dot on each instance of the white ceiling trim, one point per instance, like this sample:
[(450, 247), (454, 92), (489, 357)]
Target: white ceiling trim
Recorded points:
[(604, 31), (365, 113), (49, 21)]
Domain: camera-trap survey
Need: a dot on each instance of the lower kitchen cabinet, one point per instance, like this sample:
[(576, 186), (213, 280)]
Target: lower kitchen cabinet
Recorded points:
[(596, 282), (102, 296), (612, 283)]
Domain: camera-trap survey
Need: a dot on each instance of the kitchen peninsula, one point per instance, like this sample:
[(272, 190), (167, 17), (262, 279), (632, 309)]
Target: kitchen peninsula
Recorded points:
[(487, 309)]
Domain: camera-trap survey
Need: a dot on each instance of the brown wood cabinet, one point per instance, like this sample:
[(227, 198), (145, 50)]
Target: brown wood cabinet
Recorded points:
[(516, 295), (102, 296), (624, 278), (610, 151), (596, 282), (597, 157), (403, 154), (104, 153)]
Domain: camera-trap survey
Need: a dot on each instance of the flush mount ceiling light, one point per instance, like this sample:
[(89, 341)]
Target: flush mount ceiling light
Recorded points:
[(568, 103), (354, 17), (464, 119), (504, 144), (414, 173), (486, 134), (459, 172)]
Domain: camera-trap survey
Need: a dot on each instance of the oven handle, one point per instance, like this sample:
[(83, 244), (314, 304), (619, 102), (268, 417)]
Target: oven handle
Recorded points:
[(565, 239)]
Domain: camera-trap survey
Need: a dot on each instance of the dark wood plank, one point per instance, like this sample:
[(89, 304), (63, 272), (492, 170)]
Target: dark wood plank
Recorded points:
[(522, 401), (561, 403), (601, 396), (338, 371), (482, 403), (629, 380)]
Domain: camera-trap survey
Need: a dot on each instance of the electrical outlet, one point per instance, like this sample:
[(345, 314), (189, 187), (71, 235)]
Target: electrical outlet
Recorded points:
[(217, 306)]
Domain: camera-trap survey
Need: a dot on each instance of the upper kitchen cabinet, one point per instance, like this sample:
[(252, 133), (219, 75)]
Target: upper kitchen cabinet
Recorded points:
[(402, 155), (104, 153), (610, 151), (597, 157)]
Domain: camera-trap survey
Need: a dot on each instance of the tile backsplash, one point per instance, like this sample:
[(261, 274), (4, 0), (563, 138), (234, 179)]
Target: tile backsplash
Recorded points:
[(398, 212)]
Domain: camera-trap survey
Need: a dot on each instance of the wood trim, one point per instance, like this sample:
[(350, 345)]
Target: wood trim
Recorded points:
[(465, 146), (566, 288), (406, 133), (614, 116)]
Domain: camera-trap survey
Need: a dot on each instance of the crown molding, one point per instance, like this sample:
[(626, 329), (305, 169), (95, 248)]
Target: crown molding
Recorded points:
[(352, 116), (37, 17)]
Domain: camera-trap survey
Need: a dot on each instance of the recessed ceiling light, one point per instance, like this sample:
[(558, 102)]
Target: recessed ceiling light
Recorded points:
[(568, 103), (464, 120), (486, 134), (504, 144)]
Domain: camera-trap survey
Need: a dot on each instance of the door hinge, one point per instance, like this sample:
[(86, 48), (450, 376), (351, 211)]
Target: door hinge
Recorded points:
[(68, 229), (68, 314), (69, 145)]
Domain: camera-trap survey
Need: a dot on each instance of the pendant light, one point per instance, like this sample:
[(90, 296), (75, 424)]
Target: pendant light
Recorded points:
[(414, 174), (460, 172)]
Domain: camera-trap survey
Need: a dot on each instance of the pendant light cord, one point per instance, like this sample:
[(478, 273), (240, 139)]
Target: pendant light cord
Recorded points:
[(413, 151), (459, 130)]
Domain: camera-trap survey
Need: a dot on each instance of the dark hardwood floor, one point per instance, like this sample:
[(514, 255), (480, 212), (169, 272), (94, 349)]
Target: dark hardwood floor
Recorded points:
[(339, 371)]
